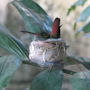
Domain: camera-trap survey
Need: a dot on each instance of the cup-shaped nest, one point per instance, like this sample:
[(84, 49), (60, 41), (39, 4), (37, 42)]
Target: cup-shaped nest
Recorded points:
[(47, 52)]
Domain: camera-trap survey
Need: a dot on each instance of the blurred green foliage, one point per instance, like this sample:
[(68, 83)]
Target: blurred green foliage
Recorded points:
[(83, 17)]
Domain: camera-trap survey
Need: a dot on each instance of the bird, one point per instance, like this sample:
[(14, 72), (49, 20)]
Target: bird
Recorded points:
[(54, 34), (56, 29)]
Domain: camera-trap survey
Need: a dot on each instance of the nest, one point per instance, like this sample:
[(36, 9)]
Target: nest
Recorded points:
[(47, 52)]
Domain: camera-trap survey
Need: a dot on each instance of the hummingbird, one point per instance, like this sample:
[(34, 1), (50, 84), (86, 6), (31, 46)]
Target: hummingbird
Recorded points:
[(56, 29), (55, 33)]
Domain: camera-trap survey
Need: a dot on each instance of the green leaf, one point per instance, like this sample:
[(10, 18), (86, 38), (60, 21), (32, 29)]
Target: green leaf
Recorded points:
[(68, 71), (1, 89), (77, 3), (72, 8), (85, 29), (12, 45), (84, 15), (69, 60), (48, 80), (81, 81), (74, 26), (8, 66), (33, 5), (35, 18), (79, 60)]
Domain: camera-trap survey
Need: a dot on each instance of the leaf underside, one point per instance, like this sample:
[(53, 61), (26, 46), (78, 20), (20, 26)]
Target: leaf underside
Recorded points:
[(8, 66), (48, 80), (81, 81)]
